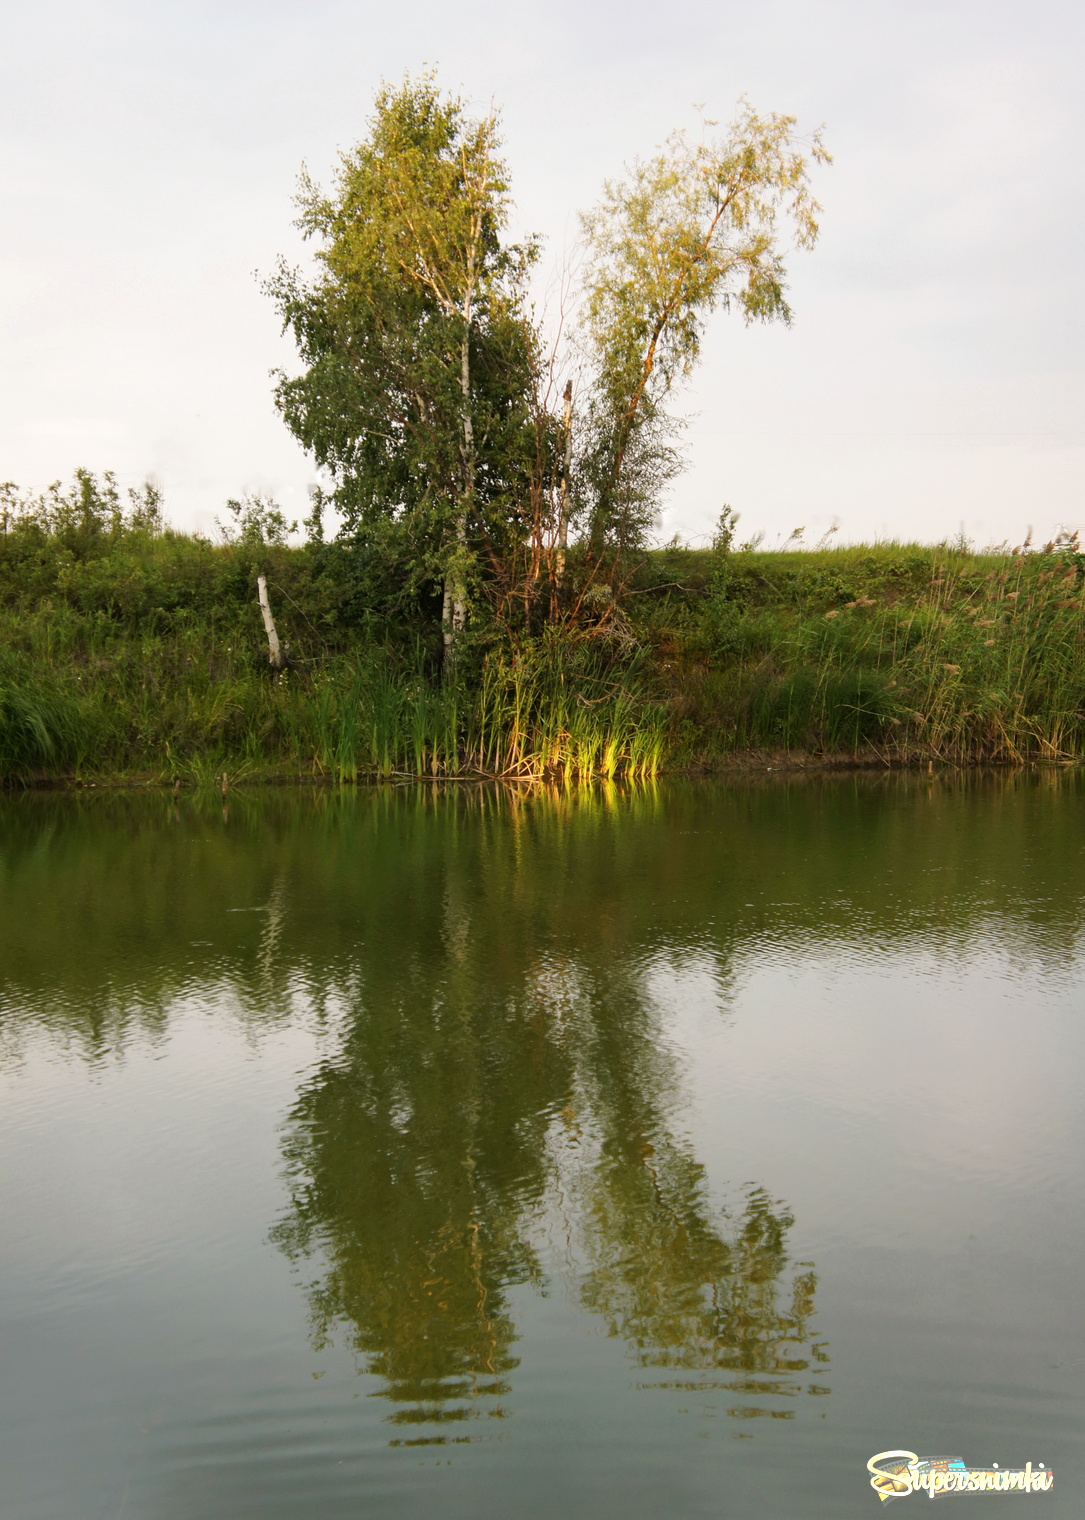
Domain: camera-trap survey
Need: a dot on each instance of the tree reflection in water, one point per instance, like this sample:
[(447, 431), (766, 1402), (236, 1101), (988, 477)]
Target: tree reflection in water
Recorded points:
[(688, 1287), (497, 1077), (415, 1159), (485, 966)]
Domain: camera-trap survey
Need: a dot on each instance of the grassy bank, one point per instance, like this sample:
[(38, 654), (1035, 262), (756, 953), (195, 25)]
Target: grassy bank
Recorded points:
[(897, 650), (82, 699), (129, 650)]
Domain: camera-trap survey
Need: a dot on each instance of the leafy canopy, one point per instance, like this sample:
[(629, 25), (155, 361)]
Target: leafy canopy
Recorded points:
[(694, 229), (419, 359), (429, 391)]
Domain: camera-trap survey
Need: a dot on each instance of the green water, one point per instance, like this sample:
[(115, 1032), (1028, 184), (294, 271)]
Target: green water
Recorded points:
[(466, 1153)]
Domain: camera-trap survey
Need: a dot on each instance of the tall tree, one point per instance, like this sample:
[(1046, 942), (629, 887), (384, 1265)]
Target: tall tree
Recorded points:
[(696, 228), (426, 390), (419, 358)]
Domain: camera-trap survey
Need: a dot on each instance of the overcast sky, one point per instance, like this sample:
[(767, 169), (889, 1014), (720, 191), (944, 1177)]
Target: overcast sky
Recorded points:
[(933, 378)]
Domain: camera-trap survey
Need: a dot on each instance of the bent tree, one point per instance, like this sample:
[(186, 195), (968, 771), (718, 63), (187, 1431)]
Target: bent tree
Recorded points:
[(694, 229)]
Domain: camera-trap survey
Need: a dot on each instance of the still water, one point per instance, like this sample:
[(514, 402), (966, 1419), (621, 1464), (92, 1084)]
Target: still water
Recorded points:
[(471, 1153)]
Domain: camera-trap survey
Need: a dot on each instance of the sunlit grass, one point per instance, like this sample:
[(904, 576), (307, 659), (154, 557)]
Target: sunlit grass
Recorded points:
[(78, 698), (146, 659)]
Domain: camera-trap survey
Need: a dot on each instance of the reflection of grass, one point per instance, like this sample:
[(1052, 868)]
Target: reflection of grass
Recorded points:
[(426, 1414), (434, 1441), (754, 1412)]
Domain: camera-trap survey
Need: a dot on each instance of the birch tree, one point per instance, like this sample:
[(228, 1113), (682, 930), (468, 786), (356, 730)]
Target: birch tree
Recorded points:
[(463, 468), (698, 228), (418, 354)]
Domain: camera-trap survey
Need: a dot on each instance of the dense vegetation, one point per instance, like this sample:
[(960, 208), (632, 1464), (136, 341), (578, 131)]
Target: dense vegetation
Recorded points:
[(494, 483), (490, 604), (130, 649), (473, 449)]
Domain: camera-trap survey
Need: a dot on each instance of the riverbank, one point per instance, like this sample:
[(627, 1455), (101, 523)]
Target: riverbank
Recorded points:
[(140, 655), (750, 765)]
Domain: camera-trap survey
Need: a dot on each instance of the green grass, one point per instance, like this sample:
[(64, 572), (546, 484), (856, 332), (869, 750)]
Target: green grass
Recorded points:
[(83, 699), (525, 719), (128, 650), (899, 651)]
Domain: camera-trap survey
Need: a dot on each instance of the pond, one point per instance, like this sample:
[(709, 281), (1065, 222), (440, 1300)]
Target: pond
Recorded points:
[(457, 1152)]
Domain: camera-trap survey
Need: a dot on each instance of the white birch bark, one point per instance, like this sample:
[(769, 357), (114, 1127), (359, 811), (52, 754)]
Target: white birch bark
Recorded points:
[(563, 500), (455, 597), (274, 648)]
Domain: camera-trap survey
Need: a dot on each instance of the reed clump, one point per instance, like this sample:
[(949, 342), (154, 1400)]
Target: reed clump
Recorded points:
[(186, 706), (538, 714)]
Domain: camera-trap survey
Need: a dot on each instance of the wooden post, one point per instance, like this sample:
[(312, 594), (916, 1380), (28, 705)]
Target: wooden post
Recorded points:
[(275, 655)]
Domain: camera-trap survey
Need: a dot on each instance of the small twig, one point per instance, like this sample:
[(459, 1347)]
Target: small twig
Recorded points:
[(304, 614), (666, 586)]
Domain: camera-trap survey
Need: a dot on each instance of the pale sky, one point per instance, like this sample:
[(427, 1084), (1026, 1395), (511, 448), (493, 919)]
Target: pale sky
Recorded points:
[(933, 378)]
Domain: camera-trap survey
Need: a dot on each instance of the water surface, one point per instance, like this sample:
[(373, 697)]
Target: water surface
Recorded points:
[(469, 1153)]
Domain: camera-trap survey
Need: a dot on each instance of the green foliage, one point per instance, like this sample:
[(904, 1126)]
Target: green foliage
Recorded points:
[(429, 392), (555, 710), (39, 730), (257, 524), (126, 650), (144, 652), (692, 230), (419, 360)]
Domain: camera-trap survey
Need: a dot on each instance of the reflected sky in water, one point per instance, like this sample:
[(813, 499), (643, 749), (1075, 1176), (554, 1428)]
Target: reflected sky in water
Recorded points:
[(470, 1151)]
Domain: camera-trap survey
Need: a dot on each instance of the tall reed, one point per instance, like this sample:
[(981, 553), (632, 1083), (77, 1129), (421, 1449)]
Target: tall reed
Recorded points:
[(523, 719)]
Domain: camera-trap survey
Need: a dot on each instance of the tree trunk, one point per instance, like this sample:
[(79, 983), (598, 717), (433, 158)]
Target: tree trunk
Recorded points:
[(276, 658), (465, 382), (563, 500), (454, 611), (454, 605)]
